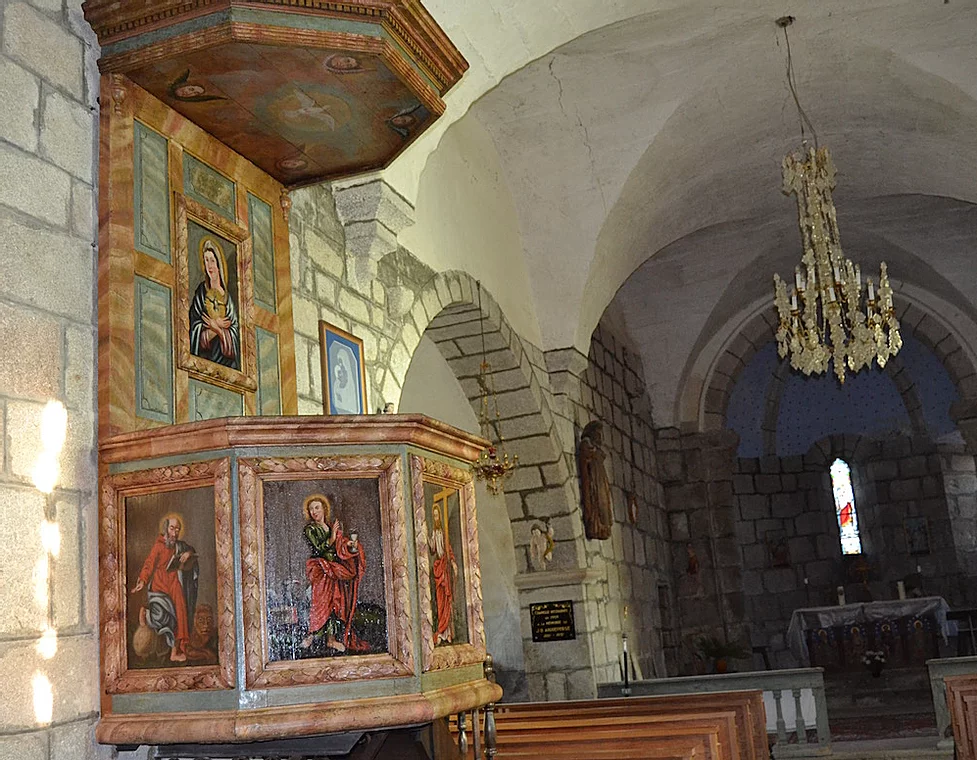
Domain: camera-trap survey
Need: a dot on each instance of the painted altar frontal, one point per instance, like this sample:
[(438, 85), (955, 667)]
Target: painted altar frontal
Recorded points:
[(288, 576)]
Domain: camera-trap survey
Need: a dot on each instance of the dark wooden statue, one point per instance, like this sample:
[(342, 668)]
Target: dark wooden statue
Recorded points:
[(594, 487)]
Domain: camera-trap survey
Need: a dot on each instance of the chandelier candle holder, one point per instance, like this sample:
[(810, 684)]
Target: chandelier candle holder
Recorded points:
[(822, 318), (494, 465)]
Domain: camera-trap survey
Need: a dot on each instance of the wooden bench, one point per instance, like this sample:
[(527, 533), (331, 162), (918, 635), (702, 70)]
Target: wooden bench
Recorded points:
[(961, 699), (717, 726)]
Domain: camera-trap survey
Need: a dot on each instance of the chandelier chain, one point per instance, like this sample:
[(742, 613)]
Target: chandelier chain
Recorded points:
[(822, 322)]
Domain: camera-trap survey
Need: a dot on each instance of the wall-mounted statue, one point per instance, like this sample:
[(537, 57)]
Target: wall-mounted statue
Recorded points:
[(595, 489), (540, 545)]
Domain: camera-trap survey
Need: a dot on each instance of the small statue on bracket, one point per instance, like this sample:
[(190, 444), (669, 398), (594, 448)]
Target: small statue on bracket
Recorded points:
[(595, 489), (540, 545)]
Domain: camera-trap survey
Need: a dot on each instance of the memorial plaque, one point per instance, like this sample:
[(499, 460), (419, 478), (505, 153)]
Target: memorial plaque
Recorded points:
[(552, 621)]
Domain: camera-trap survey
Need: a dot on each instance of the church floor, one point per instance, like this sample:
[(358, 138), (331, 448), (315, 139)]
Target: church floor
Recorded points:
[(920, 748)]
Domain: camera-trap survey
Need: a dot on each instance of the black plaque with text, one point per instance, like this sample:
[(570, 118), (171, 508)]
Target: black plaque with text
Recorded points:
[(552, 621)]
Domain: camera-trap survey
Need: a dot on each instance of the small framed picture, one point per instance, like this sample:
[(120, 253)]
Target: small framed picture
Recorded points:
[(343, 371), (778, 548), (215, 294), (917, 535)]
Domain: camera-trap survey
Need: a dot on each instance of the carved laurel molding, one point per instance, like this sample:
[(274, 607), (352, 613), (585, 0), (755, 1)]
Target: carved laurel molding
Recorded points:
[(117, 677), (454, 655), (259, 671)]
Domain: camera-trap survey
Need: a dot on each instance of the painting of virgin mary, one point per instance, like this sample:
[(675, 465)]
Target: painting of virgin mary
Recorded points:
[(214, 329)]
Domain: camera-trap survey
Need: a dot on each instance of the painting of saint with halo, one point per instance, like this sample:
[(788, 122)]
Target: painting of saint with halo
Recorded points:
[(324, 574), (215, 332)]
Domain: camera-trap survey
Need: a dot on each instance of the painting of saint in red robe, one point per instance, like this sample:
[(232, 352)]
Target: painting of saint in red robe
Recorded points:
[(447, 576), (334, 568), (324, 568), (172, 570)]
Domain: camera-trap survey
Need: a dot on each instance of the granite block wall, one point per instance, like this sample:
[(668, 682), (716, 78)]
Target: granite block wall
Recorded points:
[(708, 599), (789, 539), (634, 563), (48, 513), (348, 270)]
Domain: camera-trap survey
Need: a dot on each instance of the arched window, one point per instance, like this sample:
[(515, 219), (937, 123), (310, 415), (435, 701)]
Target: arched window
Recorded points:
[(851, 543)]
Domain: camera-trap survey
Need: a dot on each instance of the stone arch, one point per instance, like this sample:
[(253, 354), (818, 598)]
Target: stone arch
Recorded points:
[(543, 487), (759, 329), (446, 309)]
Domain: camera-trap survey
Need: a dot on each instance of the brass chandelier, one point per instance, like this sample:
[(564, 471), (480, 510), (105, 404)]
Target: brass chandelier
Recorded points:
[(493, 465), (822, 320)]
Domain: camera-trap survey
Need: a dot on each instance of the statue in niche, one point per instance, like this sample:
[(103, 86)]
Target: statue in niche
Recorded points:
[(540, 546), (693, 567), (594, 487)]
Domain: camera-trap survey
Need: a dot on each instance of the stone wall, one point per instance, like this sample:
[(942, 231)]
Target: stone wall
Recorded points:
[(432, 389), (348, 269), (790, 500), (708, 585), (633, 564), (48, 595)]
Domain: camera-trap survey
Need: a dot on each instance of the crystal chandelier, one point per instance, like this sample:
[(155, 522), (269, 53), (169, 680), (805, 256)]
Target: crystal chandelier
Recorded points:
[(493, 465), (822, 319)]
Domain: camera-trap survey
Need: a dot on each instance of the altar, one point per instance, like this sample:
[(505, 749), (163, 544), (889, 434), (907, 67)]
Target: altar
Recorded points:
[(836, 638)]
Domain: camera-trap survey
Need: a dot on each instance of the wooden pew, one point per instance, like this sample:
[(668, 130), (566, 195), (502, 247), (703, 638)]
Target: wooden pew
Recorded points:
[(961, 699), (620, 734), (725, 725)]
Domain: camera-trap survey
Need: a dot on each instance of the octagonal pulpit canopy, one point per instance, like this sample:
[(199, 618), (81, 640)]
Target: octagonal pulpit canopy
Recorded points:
[(306, 90), (271, 577)]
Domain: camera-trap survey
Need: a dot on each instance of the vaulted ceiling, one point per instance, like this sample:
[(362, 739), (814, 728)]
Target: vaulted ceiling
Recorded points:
[(643, 140)]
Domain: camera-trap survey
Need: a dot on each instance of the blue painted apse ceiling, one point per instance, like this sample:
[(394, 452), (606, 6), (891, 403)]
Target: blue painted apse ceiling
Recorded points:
[(811, 408)]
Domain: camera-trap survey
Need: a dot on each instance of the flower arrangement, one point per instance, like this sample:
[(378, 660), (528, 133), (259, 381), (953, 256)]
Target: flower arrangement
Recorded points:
[(874, 660)]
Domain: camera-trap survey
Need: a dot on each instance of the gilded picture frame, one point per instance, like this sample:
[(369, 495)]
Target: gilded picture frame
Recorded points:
[(343, 371), (227, 356), (137, 500), (444, 655), (324, 473)]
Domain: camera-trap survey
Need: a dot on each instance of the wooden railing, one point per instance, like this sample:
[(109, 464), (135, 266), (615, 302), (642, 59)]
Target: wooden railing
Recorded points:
[(961, 673), (794, 700)]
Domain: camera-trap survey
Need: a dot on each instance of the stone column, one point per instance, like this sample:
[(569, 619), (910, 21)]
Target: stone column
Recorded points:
[(562, 669), (373, 215), (697, 474)]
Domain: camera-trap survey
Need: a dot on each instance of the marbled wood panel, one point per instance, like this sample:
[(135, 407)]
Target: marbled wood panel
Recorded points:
[(154, 351), (208, 402), (151, 193), (367, 429), (153, 269), (119, 260), (209, 187), (269, 384), (262, 253), (452, 656), (116, 373), (267, 723), (259, 672), (283, 277)]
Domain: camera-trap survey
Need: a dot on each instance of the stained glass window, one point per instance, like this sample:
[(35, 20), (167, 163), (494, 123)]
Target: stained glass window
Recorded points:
[(845, 507)]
